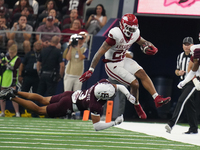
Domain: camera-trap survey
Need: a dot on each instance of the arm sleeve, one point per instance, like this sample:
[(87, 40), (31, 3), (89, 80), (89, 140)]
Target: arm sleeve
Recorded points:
[(101, 126), (123, 89), (189, 77)]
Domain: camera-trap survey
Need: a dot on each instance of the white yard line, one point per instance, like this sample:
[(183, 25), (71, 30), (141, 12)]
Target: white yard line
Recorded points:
[(159, 130)]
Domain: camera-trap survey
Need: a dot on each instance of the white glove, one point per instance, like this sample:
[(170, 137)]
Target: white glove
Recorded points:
[(131, 98), (196, 83), (119, 120), (181, 84)]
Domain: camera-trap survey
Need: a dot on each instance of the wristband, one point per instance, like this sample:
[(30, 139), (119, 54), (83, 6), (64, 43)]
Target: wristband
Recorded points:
[(91, 69)]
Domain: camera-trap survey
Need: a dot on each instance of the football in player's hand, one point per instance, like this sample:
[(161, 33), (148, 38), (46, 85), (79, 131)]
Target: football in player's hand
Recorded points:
[(144, 47), (148, 48)]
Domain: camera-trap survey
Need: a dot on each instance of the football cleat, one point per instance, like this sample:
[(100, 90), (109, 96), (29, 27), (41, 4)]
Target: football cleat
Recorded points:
[(168, 128), (159, 100), (7, 94), (191, 132), (2, 115), (140, 112)]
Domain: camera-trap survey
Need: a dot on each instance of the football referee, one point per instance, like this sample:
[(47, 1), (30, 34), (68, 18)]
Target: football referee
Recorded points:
[(184, 65)]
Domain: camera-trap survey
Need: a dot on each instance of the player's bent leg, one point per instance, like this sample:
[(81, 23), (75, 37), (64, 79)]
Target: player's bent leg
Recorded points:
[(134, 89), (30, 105), (146, 81), (148, 85)]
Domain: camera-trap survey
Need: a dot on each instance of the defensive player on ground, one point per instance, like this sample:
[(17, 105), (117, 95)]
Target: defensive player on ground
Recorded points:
[(122, 69), (59, 105)]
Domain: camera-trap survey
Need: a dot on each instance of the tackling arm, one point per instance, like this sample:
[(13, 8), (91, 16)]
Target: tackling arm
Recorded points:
[(124, 90)]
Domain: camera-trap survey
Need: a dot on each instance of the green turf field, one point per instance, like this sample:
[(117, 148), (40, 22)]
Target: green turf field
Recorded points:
[(61, 134)]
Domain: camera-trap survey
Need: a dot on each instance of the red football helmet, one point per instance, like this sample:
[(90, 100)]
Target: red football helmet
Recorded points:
[(128, 24)]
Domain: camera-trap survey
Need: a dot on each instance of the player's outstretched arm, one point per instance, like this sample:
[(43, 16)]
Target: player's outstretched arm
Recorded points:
[(102, 50), (101, 126), (125, 91)]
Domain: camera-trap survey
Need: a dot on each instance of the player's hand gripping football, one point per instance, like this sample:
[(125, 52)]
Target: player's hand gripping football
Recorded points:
[(148, 48), (86, 76), (119, 120)]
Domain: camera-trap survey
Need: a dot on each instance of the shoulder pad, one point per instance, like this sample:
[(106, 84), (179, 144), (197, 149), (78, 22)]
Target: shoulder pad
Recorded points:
[(115, 33)]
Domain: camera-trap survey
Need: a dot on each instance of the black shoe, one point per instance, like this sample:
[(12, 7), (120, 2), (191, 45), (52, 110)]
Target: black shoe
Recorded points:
[(7, 94), (191, 132)]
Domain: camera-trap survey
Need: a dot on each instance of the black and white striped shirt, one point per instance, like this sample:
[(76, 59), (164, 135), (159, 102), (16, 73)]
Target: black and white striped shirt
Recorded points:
[(182, 63)]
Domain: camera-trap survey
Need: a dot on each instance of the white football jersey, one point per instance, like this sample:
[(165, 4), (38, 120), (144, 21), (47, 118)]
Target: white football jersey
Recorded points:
[(117, 52)]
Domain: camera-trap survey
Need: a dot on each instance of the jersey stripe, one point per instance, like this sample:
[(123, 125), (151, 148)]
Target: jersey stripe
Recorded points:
[(182, 64)]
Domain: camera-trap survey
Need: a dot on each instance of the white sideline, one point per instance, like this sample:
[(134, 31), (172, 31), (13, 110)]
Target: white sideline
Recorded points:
[(157, 129)]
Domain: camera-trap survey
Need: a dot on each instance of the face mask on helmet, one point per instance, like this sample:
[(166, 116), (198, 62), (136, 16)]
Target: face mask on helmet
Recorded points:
[(129, 24), (104, 91)]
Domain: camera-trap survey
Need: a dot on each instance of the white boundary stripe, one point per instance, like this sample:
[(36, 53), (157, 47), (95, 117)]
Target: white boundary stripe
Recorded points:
[(158, 130)]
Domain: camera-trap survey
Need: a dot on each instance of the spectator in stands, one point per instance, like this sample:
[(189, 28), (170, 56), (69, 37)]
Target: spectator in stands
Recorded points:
[(2, 3), (79, 5), (22, 39), (47, 27), (4, 12), (20, 7), (26, 12), (97, 20), (3, 35), (52, 12), (9, 75), (73, 15), (34, 4), (50, 4), (3, 9), (75, 28)]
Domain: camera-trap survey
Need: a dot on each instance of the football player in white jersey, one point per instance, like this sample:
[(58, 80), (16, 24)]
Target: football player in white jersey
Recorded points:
[(123, 69)]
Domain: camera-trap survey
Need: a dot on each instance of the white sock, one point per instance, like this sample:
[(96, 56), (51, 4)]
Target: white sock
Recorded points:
[(155, 95)]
